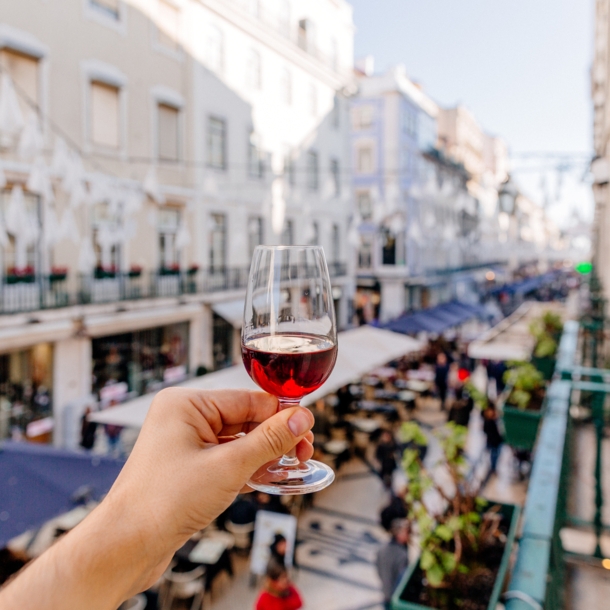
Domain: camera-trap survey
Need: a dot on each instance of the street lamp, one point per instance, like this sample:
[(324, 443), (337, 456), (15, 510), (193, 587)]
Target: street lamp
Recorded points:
[(507, 196)]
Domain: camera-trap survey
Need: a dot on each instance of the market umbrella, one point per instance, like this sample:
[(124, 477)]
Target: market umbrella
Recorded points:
[(40, 482)]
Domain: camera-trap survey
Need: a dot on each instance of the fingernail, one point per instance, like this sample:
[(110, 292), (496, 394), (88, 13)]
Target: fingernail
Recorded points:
[(300, 422)]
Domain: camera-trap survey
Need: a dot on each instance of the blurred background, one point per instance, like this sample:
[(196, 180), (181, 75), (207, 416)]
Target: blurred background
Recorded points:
[(451, 158)]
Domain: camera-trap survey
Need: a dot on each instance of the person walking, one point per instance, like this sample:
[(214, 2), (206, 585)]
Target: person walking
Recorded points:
[(494, 438), (386, 456), (441, 377), (393, 559), (279, 592), (87, 431)]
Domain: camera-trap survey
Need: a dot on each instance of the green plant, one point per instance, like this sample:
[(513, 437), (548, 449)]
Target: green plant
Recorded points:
[(463, 526), (546, 330), (479, 398), (526, 379)]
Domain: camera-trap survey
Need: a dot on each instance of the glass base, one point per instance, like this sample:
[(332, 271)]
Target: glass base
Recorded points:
[(304, 478)]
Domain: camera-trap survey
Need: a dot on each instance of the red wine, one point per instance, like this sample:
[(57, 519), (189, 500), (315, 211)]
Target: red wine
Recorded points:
[(289, 366)]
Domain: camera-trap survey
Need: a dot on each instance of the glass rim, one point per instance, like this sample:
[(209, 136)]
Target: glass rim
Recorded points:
[(281, 247)]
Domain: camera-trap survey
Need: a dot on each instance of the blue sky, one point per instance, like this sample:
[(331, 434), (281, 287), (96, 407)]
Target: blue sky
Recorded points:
[(522, 67)]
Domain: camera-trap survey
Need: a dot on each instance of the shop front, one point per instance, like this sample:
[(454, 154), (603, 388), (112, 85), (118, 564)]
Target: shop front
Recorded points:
[(138, 362), (26, 394)]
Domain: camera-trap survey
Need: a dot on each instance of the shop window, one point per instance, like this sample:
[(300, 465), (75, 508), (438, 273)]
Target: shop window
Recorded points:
[(217, 143), (312, 170), (109, 8), (335, 173), (105, 104), (215, 50), (21, 255), (218, 236), (168, 132), (145, 360), (169, 25), (23, 71), (255, 233), (287, 237)]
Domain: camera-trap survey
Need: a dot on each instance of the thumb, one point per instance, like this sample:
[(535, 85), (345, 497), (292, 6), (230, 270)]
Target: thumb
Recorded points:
[(272, 438)]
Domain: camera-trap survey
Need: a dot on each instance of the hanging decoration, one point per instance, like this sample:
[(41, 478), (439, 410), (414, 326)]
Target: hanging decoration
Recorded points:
[(75, 172), (151, 186), (39, 181), (31, 141), (11, 116), (14, 216), (51, 232), (106, 239)]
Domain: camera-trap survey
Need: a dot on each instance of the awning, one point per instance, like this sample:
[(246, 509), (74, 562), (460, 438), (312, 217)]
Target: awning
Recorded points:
[(21, 336), (231, 311), (360, 351), (527, 285), (42, 482), (436, 319), (511, 338)]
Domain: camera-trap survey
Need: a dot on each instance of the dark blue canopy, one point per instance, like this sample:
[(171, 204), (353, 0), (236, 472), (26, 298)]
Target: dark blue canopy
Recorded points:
[(436, 319), (38, 482), (527, 285)]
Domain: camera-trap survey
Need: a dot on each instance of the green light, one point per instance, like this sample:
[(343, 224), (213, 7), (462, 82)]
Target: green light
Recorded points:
[(584, 267)]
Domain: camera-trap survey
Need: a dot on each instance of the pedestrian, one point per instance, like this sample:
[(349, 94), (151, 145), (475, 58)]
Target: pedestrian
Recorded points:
[(461, 408), (396, 509), (386, 456), (441, 377), (494, 438), (278, 550), (113, 436), (279, 592), (393, 559), (87, 431)]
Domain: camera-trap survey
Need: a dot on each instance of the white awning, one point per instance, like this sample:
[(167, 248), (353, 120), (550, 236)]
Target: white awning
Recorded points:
[(360, 351), (231, 311)]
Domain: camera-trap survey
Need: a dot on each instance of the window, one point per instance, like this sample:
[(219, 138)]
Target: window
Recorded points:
[(253, 75), (217, 143), (169, 25), (307, 36), (215, 50), (107, 248), (286, 86), (388, 244), (110, 8), (315, 234), (336, 245), (218, 233), (168, 134), (362, 117), (284, 17), (255, 158), (168, 223), (105, 115), (334, 54), (21, 253), (313, 100), (287, 237), (312, 170), (23, 71), (336, 113), (364, 160), (255, 233), (365, 252), (289, 172), (363, 200), (336, 176)]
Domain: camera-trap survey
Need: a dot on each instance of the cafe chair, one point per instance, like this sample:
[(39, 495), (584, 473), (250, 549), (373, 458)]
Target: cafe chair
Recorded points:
[(242, 534), (183, 585)]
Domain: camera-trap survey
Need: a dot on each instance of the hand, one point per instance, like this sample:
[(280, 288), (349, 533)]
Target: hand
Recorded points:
[(178, 478)]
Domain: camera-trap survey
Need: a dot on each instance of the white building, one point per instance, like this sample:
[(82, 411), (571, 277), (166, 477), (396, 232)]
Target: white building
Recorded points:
[(147, 146)]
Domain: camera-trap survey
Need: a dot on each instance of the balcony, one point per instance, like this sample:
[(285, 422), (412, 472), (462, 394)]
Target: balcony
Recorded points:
[(35, 292)]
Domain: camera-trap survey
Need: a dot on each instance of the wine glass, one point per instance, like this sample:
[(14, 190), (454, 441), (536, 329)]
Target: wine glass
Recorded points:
[(289, 347)]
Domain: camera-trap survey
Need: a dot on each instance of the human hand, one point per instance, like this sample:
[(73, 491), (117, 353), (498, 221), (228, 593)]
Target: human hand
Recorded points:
[(179, 477)]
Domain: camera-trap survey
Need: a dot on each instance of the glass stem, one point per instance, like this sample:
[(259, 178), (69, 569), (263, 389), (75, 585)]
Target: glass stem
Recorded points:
[(290, 458)]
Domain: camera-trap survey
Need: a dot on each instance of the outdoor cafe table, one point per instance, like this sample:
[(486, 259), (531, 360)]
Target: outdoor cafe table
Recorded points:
[(376, 406), (418, 386), (211, 552)]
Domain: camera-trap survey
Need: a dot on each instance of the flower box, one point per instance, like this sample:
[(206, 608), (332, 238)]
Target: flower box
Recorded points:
[(25, 275), (134, 271), (412, 585), (192, 270), (172, 270)]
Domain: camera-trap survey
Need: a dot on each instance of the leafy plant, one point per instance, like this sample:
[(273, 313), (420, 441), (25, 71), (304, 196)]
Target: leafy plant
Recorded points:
[(463, 526), (546, 330), (526, 379), (480, 398)]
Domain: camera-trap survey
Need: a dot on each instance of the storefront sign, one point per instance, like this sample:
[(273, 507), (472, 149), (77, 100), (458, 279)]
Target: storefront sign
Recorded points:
[(174, 373), (114, 391), (39, 427)]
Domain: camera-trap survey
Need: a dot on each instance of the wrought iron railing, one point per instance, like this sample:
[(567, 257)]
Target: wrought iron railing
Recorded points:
[(34, 292)]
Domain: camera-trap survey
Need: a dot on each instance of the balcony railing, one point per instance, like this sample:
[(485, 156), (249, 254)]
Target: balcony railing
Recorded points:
[(34, 292)]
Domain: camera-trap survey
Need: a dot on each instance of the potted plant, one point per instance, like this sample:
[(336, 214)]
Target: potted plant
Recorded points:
[(58, 274), (522, 405), (135, 271), (173, 269), (546, 330), (465, 541), (192, 270), (102, 273), (16, 275)]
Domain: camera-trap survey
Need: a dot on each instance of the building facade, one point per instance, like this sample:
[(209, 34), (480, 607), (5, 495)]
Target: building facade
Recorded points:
[(146, 148), (418, 215)]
